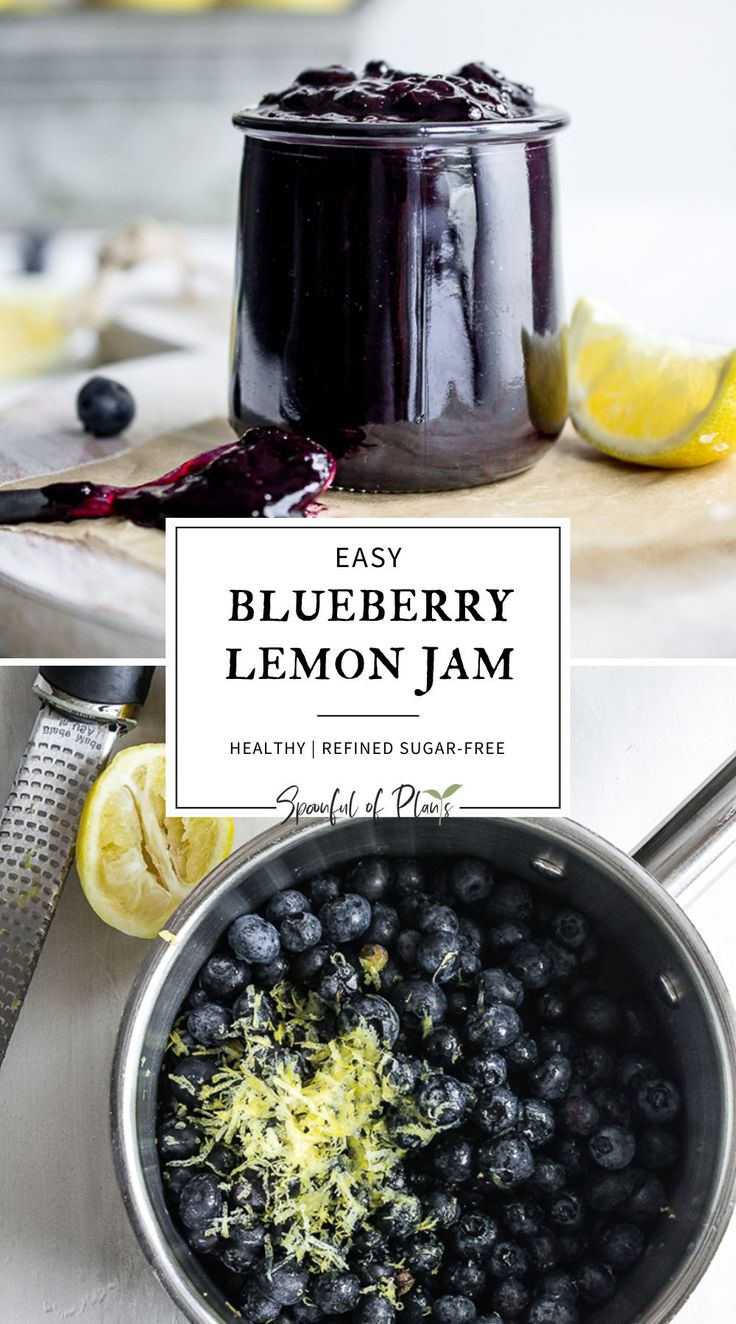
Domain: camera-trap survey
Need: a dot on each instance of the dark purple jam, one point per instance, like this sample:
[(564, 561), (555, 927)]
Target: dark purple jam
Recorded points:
[(398, 292), (475, 92), (266, 474)]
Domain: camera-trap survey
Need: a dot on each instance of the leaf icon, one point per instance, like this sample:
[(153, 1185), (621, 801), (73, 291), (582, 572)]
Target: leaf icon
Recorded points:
[(456, 786), (435, 794)]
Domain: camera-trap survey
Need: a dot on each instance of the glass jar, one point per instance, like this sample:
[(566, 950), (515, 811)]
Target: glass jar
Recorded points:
[(398, 295)]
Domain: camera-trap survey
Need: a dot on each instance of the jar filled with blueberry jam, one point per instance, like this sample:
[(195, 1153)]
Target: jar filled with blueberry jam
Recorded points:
[(398, 280)]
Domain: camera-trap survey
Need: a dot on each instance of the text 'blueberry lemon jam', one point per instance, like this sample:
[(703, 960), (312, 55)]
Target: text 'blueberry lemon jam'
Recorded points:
[(415, 1090), (398, 291)]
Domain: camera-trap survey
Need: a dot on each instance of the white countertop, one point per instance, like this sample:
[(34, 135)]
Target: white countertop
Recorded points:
[(642, 739)]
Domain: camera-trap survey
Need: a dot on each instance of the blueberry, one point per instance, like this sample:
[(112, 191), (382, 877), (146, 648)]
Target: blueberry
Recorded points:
[(612, 1147), (607, 1191), (444, 1101), (658, 1148), (555, 1039), (270, 974), (188, 1075), (595, 1282), (402, 1072), (507, 1163), (298, 932), (420, 1005), (620, 1245), (508, 1260), (346, 918), (371, 1272), (375, 1310), (336, 1293), (441, 1208), (241, 1248), (210, 1023), (612, 1104), (567, 1211), (255, 1008), (550, 1177), (537, 1122), (512, 899), (464, 1278), (202, 1241), (401, 1217), (551, 1079), (105, 408), (426, 1257), (443, 1047), (531, 964), (598, 1015), (646, 1200), (370, 878), (223, 977), (253, 939), (471, 934), (248, 1194), (523, 1053), (658, 1101), (570, 928), (593, 1064), (407, 945), (551, 1006), (375, 1012), (306, 968), (285, 904), (553, 1310), (508, 934), (487, 1068), (544, 1250), (408, 877), (196, 997), (497, 1111), (564, 963), (287, 1283), (577, 1115), (411, 907), (438, 956), (258, 1307), (417, 1306), (499, 986), (556, 1283), (323, 889), (179, 1140), (471, 881), (453, 1160), (201, 1202), (338, 980), (454, 1310), (384, 927), (496, 1026), (510, 1298), (175, 1178), (435, 918), (522, 1218), (635, 1068)]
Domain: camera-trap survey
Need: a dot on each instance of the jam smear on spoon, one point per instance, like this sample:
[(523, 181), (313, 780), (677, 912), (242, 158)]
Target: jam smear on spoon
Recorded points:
[(266, 474)]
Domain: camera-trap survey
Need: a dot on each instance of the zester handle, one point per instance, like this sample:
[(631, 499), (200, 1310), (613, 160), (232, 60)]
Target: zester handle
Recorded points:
[(72, 738)]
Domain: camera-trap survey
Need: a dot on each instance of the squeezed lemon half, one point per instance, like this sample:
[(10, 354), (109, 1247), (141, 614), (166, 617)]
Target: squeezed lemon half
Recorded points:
[(135, 864), (648, 400)]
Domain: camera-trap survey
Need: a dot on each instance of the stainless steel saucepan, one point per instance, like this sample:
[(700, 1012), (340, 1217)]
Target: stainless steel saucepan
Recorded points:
[(632, 902)]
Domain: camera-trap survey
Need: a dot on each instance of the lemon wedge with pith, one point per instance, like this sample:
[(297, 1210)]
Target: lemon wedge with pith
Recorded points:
[(135, 864), (648, 400)]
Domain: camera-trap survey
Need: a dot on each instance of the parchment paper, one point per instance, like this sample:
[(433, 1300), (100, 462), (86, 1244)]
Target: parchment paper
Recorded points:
[(646, 516)]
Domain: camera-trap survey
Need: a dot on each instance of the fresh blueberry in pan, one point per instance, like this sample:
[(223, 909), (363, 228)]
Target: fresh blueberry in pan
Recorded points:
[(254, 939), (346, 918), (658, 1101), (298, 932), (210, 1023), (223, 977), (369, 878), (471, 881), (200, 1202), (284, 904)]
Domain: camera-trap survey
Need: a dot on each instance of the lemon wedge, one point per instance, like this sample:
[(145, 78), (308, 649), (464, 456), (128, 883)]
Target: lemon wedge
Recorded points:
[(135, 864), (648, 400)]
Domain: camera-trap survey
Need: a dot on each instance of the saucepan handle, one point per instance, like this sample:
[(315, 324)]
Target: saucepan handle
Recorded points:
[(688, 851)]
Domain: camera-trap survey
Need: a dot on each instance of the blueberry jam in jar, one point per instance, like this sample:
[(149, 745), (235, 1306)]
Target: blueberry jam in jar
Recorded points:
[(398, 287), (415, 1089)]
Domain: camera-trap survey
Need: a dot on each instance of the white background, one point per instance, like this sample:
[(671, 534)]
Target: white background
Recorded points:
[(281, 555), (642, 738), (649, 186)]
